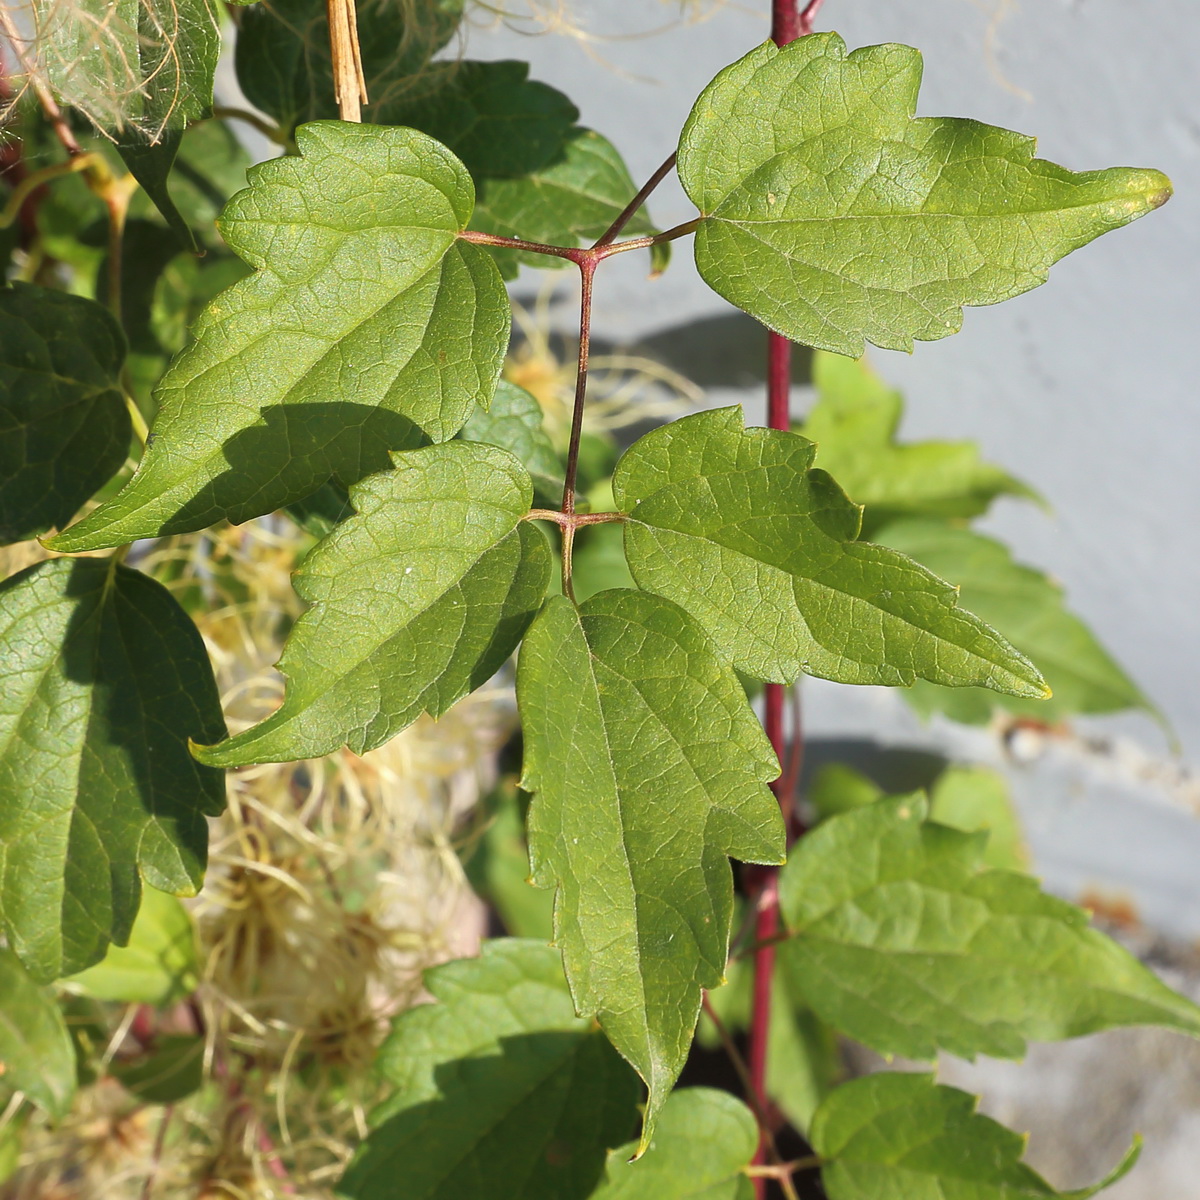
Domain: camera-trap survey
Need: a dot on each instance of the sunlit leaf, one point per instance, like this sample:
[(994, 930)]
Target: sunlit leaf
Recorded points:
[(367, 326), (734, 525), (646, 773), (902, 941), (416, 601), (835, 217)]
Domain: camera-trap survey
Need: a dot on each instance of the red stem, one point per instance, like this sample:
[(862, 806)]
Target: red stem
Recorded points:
[(788, 22)]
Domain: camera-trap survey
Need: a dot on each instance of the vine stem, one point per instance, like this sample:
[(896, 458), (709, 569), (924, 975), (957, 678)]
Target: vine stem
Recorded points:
[(788, 22), (54, 114), (587, 273)]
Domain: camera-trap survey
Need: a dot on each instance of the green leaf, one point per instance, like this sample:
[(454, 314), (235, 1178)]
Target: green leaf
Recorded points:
[(36, 1056), (501, 1090), (854, 423), (102, 679), (904, 943), (417, 601), (900, 1135), (1028, 607), (701, 1147), (283, 63), (974, 799), (514, 422), (498, 869), (64, 428), (170, 1071), (733, 524), (368, 326), (571, 200), (159, 965), (646, 773), (838, 788), (833, 216)]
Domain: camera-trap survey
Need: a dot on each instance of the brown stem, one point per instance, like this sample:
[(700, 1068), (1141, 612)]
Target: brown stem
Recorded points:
[(578, 255), (587, 274), (349, 86), (808, 16), (573, 519), (627, 213)]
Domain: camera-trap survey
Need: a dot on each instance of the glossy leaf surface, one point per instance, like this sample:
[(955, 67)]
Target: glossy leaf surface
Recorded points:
[(854, 424), (1026, 606), (103, 677), (647, 772), (36, 1056), (501, 1090), (835, 217), (905, 1136), (367, 326), (64, 428), (734, 525), (904, 943), (702, 1144), (416, 601)]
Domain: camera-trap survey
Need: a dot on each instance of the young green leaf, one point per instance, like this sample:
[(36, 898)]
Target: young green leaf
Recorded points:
[(159, 965), (734, 525), (854, 423), (903, 942), (283, 61), (102, 678), (701, 1147), (572, 199), (974, 799), (1026, 606), (501, 1090), (64, 428), (647, 770), (367, 326), (36, 1056), (514, 422), (417, 600), (903, 1135), (834, 217)]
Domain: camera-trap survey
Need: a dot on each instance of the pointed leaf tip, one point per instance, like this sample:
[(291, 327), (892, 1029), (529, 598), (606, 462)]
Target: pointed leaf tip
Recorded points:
[(805, 159)]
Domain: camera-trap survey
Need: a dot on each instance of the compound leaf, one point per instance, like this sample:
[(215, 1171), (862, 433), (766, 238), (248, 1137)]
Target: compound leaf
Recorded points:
[(416, 600), (902, 1135), (854, 423), (702, 1144), (834, 217), (646, 773), (103, 678), (904, 943), (367, 326), (734, 525), (36, 1055), (159, 965), (501, 1090), (64, 428), (1026, 606), (514, 421)]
